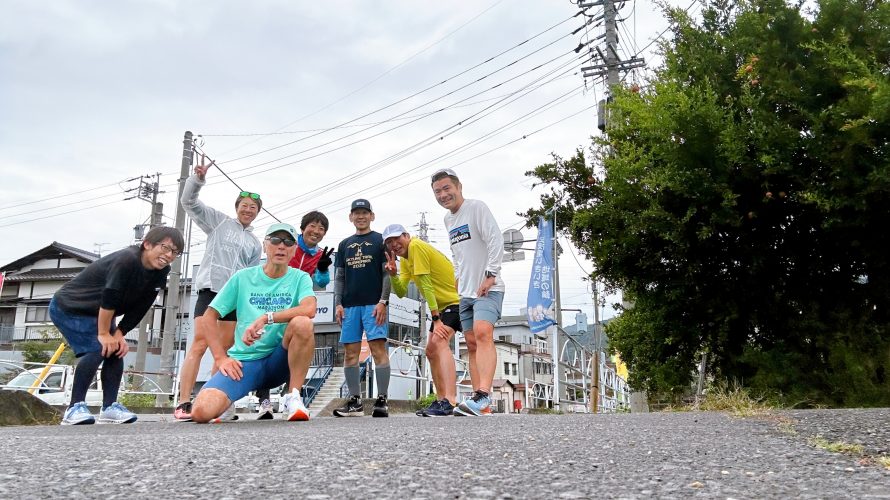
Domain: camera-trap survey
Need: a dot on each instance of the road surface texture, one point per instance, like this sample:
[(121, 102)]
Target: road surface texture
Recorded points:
[(654, 455)]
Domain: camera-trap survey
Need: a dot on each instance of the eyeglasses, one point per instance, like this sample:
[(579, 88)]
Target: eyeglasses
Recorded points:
[(442, 173), (248, 194), (275, 240), (168, 249)]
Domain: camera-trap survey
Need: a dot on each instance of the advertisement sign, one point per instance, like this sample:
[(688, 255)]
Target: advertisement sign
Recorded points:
[(540, 286)]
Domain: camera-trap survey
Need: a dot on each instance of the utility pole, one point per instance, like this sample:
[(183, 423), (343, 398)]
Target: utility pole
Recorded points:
[(597, 338), (558, 302), (147, 192), (611, 65), (168, 333), (422, 233)]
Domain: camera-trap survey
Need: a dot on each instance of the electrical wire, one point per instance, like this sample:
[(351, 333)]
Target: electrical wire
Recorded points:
[(390, 70)]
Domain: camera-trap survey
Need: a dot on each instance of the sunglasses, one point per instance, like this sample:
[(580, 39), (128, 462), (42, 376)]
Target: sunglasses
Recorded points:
[(168, 249), (248, 194), (443, 173), (275, 240)]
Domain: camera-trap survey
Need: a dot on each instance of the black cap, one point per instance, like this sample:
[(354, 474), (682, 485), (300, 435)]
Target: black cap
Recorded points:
[(361, 203)]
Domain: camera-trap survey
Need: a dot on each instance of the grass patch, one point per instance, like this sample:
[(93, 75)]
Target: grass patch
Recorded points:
[(837, 446), (884, 461), (138, 400), (734, 398)]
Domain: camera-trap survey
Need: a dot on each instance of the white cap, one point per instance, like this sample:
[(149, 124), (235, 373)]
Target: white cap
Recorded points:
[(393, 230)]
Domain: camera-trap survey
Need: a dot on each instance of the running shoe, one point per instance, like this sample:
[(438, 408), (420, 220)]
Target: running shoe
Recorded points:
[(352, 408), (478, 405), (294, 409), (227, 416), (442, 408), (183, 412), (116, 413), (78, 414), (380, 407), (265, 410)]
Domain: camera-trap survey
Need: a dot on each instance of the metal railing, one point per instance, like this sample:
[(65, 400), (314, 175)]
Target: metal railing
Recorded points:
[(319, 370)]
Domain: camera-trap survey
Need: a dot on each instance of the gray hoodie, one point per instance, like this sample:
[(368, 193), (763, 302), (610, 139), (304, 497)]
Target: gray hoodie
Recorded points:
[(230, 246)]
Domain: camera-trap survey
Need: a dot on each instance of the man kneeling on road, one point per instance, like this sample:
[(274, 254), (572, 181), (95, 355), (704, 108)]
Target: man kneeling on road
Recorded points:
[(275, 347)]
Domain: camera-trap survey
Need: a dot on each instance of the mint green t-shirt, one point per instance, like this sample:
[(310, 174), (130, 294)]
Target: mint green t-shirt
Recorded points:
[(254, 294)]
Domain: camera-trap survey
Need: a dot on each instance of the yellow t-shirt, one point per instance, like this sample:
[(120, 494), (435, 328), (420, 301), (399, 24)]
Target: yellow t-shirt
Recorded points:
[(424, 259)]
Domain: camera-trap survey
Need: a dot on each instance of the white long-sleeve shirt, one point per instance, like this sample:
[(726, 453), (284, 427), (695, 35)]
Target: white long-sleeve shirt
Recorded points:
[(230, 245), (477, 245)]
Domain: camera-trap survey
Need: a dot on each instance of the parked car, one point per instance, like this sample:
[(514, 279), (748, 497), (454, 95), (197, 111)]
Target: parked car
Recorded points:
[(56, 386)]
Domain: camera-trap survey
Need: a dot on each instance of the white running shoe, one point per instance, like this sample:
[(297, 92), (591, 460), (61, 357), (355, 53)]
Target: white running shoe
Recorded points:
[(265, 410), (294, 409), (227, 416)]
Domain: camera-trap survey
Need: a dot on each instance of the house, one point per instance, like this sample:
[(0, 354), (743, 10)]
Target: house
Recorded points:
[(28, 285)]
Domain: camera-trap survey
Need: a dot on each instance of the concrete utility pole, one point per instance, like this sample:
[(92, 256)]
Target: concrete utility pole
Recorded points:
[(597, 340), (556, 298), (422, 233), (168, 334), (611, 66), (147, 190)]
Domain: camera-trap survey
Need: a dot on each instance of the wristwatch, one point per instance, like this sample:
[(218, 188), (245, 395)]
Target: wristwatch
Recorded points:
[(384, 302), (270, 318), (489, 274), (435, 317)]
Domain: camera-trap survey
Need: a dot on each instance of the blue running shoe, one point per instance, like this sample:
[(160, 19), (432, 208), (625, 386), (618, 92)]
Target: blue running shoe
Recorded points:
[(116, 413), (78, 414), (443, 409), (423, 411), (477, 406)]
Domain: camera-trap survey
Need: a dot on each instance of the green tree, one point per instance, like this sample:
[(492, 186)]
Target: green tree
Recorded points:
[(744, 199)]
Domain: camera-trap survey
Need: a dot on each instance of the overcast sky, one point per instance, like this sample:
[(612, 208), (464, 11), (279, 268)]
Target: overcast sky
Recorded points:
[(310, 104)]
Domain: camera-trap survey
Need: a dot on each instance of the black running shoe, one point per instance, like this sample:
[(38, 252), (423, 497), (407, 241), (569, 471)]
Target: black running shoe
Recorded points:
[(444, 408), (380, 407), (352, 408)]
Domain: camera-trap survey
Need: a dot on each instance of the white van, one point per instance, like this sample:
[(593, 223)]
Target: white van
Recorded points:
[(56, 386)]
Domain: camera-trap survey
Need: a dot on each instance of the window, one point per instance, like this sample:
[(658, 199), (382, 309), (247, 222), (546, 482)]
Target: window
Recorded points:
[(10, 290), (515, 369), (37, 313), (506, 368)]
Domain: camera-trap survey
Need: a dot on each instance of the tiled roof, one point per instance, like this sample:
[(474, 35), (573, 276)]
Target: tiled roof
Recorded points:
[(52, 251), (45, 275)]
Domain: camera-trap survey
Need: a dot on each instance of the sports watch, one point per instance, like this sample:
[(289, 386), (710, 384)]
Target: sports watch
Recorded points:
[(435, 317), (270, 318)]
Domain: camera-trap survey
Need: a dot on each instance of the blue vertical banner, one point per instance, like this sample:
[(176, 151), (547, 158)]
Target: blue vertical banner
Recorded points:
[(540, 286)]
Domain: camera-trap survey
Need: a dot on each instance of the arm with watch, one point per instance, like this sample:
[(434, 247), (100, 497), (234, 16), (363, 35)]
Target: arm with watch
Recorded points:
[(307, 307)]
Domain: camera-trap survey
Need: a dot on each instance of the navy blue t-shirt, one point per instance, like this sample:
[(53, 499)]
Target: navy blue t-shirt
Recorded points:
[(361, 257)]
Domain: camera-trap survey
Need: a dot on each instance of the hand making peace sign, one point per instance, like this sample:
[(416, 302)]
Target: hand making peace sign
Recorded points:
[(390, 266)]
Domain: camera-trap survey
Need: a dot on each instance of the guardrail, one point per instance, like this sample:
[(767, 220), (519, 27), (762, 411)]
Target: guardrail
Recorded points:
[(322, 364)]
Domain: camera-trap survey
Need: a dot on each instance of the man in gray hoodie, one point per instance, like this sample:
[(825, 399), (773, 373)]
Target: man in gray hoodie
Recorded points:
[(231, 246)]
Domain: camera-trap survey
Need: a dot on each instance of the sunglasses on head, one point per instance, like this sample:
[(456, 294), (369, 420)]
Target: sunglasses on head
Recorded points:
[(275, 240), (442, 173), (248, 194)]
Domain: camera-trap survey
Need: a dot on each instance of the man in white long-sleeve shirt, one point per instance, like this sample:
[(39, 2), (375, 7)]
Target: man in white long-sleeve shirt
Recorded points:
[(231, 246), (477, 247)]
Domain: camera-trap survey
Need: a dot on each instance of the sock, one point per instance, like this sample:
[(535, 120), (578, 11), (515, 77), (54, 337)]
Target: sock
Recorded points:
[(382, 373), (352, 380), (262, 394), (86, 370), (112, 372)]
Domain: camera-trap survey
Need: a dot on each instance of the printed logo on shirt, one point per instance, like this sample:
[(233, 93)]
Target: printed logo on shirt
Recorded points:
[(356, 259), (271, 301), (458, 234)]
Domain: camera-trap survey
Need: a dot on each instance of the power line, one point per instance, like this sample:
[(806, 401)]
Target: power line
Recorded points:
[(474, 82), (378, 77), (423, 143)]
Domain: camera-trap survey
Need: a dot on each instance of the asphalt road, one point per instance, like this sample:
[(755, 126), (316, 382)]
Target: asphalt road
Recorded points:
[(664, 455)]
